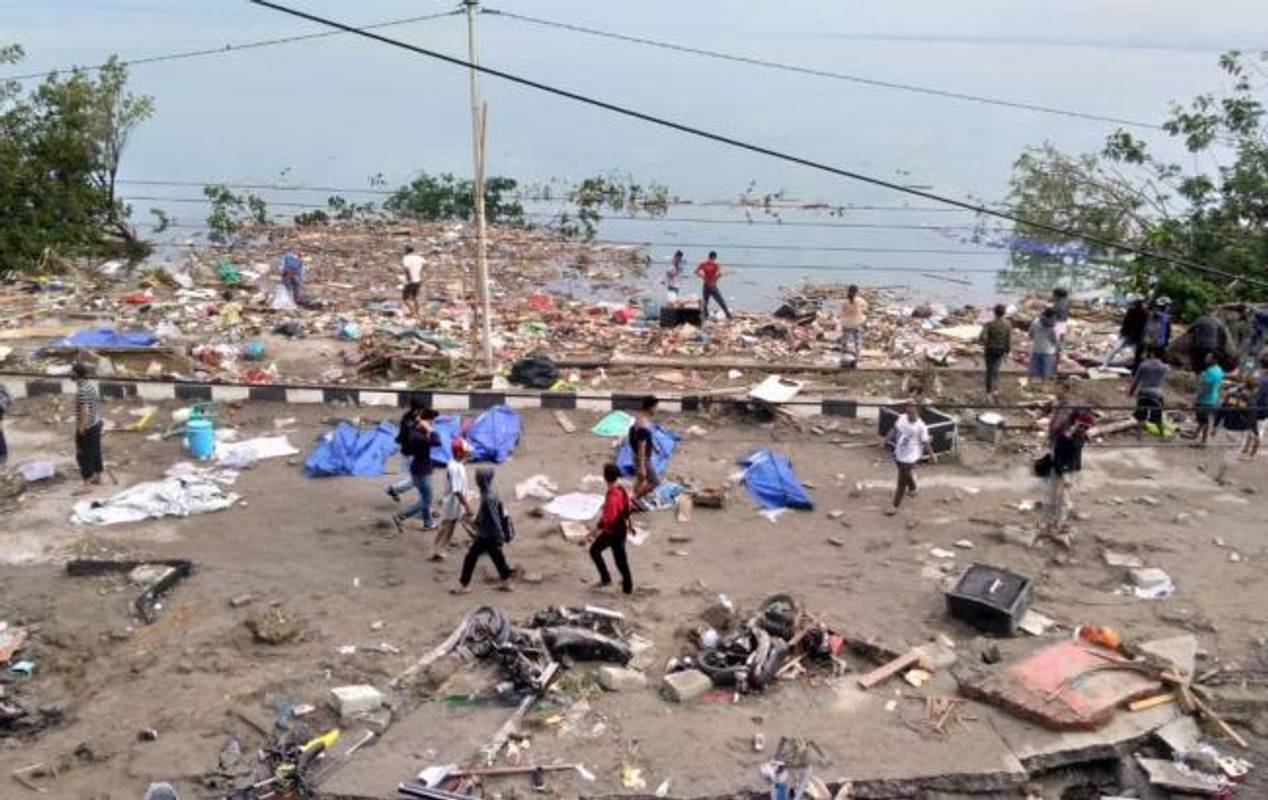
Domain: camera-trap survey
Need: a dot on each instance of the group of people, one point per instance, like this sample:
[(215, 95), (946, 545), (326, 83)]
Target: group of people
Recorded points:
[(708, 271), (488, 526)]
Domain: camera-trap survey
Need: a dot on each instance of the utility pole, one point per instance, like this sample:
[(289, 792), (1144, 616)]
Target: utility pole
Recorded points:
[(478, 117)]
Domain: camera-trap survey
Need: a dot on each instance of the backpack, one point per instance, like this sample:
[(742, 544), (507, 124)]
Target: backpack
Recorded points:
[(508, 527)]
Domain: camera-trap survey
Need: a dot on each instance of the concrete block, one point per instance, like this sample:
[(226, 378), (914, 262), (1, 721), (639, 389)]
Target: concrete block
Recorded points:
[(685, 686), (618, 679), (1149, 578), (352, 700)]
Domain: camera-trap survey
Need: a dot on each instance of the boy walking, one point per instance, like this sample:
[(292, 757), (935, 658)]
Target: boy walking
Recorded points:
[(611, 531), (1207, 402), (492, 532), (88, 425), (456, 506), (997, 341)]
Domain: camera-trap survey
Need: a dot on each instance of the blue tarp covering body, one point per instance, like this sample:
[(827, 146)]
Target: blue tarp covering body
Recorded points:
[(772, 483), (106, 338), (494, 434), (664, 443), (353, 451)]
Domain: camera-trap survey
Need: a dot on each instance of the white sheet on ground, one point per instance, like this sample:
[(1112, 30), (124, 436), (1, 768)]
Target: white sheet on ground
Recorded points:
[(246, 453), (37, 469), (576, 506), (184, 491)]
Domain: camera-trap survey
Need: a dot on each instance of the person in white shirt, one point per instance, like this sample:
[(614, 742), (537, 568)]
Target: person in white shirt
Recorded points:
[(456, 506), (412, 264), (910, 439)]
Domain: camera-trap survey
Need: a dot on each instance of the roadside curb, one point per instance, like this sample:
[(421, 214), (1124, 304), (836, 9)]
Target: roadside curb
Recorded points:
[(32, 385)]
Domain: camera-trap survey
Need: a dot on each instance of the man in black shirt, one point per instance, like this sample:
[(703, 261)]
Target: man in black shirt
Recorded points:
[(643, 445), (416, 438)]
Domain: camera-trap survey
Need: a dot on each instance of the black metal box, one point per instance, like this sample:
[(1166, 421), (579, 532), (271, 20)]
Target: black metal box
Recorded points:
[(990, 599)]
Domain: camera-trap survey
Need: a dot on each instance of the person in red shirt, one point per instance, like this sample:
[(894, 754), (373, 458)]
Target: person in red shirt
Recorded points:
[(709, 271), (610, 532)]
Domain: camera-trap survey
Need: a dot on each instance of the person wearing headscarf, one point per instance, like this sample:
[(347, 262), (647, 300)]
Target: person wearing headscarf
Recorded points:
[(493, 531)]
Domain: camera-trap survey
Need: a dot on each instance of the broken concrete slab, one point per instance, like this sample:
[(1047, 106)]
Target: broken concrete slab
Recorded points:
[(1180, 734), (1040, 750), (618, 679), (1168, 775), (352, 700), (1065, 685), (1116, 559), (685, 686), (1179, 651)]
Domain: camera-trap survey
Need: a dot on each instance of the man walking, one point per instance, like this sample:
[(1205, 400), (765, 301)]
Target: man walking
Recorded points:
[(1209, 337), (412, 266), (492, 532), (910, 440), (709, 272), (456, 507), (853, 321), (642, 438), (417, 437), (88, 424), (673, 275), (997, 342), (611, 531)]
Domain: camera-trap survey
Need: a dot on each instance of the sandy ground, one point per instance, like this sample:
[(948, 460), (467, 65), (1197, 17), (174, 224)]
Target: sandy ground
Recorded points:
[(325, 551)]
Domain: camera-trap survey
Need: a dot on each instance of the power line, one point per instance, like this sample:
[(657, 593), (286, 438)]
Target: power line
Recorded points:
[(766, 151), (229, 48), (750, 60)]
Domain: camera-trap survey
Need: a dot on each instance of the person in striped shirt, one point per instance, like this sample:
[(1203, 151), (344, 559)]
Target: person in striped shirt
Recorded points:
[(87, 429)]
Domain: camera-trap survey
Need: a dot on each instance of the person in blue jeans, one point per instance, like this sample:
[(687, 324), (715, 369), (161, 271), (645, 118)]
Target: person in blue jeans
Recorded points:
[(416, 438)]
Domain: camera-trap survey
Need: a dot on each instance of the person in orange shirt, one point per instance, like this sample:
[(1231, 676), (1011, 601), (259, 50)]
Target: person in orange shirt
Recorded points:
[(709, 271)]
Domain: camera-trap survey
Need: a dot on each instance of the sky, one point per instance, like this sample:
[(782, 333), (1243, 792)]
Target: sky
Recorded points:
[(337, 110)]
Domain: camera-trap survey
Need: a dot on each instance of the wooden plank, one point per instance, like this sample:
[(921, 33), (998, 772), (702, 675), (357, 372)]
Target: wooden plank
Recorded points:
[(889, 670), (440, 650), (1151, 702)]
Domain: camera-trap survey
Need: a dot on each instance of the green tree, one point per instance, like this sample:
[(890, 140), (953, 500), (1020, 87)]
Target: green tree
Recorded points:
[(233, 216), (60, 149), (445, 197), (1214, 212)]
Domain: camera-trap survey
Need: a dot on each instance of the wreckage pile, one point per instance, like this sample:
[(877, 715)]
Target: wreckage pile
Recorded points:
[(221, 314)]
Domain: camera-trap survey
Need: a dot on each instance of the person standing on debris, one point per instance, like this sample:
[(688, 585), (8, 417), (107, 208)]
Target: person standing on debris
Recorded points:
[(1061, 308), (88, 425), (910, 440), (293, 275), (1044, 345), (674, 274), (997, 342), (853, 321), (1131, 333), (1158, 329), (709, 272), (643, 444), (493, 531), (1258, 411), (1207, 402), (412, 266), (610, 532), (1146, 387), (1209, 337), (417, 437), (456, 507)]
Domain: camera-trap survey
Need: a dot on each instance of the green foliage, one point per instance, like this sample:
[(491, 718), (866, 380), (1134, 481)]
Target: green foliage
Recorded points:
[(61, 145), (232, 216), (161, 220), (445, 197), (1216, 217), (613, 192)]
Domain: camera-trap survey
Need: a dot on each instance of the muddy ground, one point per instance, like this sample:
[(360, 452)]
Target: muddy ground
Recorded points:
[(325, 551)]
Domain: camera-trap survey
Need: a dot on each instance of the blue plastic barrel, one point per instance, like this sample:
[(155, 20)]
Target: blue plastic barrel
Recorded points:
[(200, 438)]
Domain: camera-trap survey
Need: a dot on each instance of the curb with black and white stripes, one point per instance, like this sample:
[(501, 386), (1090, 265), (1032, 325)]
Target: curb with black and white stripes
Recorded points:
[(25, 385)]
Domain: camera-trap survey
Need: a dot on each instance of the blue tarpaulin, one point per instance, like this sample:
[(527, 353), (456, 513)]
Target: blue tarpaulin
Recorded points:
[(447, 428), (664, 443), (494, 434), (772, 483), (349, 450), (106, 338)]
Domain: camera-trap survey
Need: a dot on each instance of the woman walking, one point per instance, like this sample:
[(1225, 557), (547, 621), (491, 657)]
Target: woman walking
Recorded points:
[(610, 532), (493, 531)]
